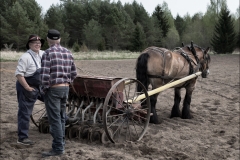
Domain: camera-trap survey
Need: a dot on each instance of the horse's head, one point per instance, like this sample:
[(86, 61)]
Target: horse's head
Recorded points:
[(202, 57), (204, 63)]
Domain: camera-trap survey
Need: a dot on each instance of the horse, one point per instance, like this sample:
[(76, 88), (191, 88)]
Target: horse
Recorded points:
[(159, 66)]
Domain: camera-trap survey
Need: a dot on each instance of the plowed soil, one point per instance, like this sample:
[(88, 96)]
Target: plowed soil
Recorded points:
[(212, 134)]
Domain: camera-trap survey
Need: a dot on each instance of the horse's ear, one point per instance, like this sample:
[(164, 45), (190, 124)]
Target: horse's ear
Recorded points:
[(207, 50), (192, 44), (182, 44)]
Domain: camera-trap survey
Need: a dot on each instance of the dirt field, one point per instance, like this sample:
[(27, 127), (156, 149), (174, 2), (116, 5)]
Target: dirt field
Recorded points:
[(213, 133)]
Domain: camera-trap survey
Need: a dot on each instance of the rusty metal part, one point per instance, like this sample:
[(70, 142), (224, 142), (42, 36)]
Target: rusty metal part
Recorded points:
[(93, 86)]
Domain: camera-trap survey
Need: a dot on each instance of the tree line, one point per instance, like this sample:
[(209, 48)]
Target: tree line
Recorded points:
[(105, 25)]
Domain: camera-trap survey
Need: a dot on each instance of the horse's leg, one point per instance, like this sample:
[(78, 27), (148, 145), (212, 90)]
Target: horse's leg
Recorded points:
[(177, 99), (154, 117), (186, 104)]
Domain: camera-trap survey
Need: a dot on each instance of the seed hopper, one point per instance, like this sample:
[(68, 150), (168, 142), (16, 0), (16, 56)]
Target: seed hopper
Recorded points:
[(106, 109), (103, 109)]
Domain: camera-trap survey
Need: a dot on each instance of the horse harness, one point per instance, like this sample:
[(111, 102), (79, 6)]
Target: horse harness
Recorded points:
[(163, 73), (185, 55), (189, 60)]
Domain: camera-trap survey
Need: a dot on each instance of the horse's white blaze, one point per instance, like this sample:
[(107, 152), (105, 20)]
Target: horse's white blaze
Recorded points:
[(208, 71)]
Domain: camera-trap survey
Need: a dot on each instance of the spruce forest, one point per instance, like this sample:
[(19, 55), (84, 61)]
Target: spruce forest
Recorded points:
[(105, 25)]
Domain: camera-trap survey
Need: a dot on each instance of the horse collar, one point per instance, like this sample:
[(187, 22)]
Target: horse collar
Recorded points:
[(189, 60)]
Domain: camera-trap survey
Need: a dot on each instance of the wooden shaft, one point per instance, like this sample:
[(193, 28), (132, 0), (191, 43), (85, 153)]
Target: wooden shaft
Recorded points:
[(127, 82), (162, 88)]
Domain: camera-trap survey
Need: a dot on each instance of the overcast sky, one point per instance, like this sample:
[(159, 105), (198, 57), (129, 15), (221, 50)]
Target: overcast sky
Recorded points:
[(182, 7)]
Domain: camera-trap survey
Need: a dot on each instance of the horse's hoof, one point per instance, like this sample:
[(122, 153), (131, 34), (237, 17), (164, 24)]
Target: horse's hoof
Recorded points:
[(187, 116), (154, 121), (175, 115)]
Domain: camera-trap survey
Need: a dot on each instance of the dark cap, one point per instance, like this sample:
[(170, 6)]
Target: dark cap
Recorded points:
[(53, 34), (34, 37)]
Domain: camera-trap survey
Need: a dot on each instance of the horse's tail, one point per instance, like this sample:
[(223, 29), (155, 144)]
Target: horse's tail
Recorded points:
[(141, 70)]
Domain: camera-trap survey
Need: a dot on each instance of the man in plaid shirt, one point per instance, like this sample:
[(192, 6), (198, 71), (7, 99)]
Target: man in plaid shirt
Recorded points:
[(57, 72)]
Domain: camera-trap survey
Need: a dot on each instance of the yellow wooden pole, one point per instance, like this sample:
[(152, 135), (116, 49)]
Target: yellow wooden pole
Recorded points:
[(128, 82), (162, 88)]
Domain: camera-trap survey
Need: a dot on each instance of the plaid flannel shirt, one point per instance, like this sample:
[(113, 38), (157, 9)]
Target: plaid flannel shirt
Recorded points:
[(57, 67)]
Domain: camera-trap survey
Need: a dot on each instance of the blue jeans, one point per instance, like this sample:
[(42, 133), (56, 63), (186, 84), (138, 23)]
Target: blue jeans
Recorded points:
[(26, 102), (55, 101)]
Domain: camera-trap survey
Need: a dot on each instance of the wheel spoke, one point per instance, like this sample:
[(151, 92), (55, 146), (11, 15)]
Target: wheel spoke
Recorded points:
[(118, 102), (115, 120), (127, 120), (111, 107), (135, 127), (136, 124), (39, 111), (120, 126), (128, 128)]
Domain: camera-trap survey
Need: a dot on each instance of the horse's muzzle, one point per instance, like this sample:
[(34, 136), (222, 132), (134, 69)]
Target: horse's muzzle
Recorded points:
[(205, 73)]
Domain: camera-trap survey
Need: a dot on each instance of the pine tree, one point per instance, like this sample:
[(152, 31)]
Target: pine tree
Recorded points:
[(4, 31), (20, 26), (223, 40), (19, 20), (54, 20), (93, 34), (180, 25), (162, 20), (238, 40), (142, 17), (138, 39), (74, 20), (34, 13), (127, 30), (113, 27), (154, 34), (92, 11)]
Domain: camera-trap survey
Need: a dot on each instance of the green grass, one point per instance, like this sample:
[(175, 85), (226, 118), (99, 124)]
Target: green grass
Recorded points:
[(11, 56), (6, 56), (105, 55)]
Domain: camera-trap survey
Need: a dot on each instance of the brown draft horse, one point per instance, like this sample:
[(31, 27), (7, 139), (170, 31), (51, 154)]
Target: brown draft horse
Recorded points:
[(158, 66)]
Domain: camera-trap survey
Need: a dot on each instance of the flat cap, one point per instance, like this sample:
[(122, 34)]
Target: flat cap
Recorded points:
[(53, 34)]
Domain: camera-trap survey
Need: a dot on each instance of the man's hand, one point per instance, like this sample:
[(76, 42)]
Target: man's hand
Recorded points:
[(23, 82), (30, 89)]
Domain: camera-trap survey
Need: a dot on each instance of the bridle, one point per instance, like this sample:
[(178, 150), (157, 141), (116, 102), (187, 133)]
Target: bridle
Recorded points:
[(205, 59)]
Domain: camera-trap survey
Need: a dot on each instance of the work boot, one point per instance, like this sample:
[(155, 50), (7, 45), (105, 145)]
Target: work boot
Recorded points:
[(51, 153), (25, 141)]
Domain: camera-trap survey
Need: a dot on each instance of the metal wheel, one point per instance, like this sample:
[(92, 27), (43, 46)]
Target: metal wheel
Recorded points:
[(104, 137), (126, 112), (73, 132), (39, 111), (95, 134), (84, 131)]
